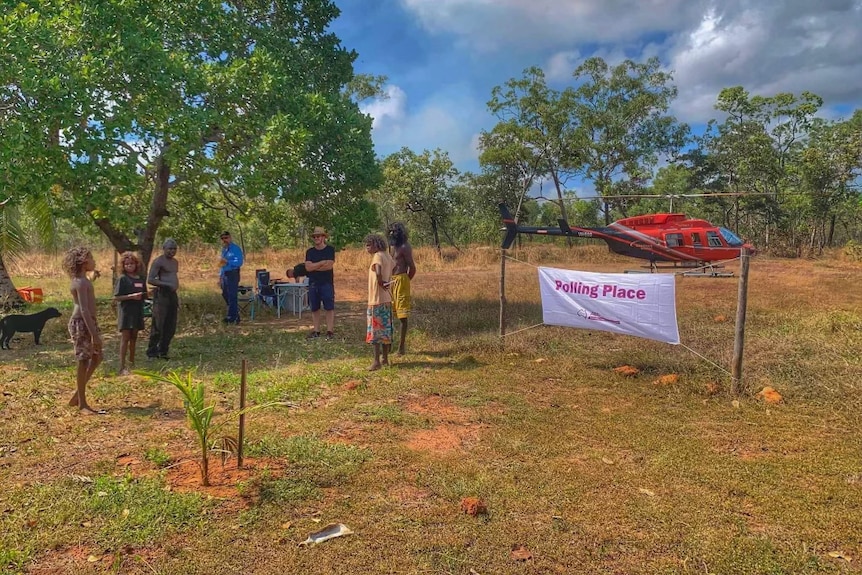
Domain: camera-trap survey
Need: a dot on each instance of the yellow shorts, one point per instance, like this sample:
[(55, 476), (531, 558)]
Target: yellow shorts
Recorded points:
[(400, 291)]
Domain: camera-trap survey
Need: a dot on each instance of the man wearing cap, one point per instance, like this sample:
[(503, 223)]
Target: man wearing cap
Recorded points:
[(319, 261), (231, 262), (163, 276)]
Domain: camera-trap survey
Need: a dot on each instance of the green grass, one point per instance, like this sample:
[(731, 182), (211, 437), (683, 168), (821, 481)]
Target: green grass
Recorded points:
[(593, 472), (105, 513)]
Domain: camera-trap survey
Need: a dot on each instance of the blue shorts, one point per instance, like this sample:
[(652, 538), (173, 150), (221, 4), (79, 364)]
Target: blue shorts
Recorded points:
[(321, 294)]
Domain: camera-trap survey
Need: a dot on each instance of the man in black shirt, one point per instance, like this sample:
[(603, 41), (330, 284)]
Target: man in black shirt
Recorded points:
[(319, 261)]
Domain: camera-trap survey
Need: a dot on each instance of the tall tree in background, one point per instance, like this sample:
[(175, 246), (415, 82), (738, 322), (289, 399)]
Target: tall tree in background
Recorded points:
[(827, 175), (534, 135), (421, 187), (754, 148), (110, 105), (623, 127)]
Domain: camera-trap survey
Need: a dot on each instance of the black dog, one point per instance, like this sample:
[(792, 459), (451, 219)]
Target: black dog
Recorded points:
[(34, 323)]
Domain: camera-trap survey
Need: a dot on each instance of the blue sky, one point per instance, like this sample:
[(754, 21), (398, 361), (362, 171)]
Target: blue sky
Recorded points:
[(443, 57)]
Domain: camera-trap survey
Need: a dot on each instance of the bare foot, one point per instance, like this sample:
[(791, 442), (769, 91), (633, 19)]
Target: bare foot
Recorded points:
[(91, 411), (401, 351), (74, 401), (385, 363), (374, 366)]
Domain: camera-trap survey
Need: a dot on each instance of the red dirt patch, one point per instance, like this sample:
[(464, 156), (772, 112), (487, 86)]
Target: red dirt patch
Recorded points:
[(75, 559), (443, 438), (627, 370), (669, 379), (769, 395), (437, 407), (351, 385), (185, 477), (473, 506)]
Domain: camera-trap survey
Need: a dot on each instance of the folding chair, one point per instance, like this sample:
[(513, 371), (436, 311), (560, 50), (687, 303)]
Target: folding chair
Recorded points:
[(266, 295), (246, 299)]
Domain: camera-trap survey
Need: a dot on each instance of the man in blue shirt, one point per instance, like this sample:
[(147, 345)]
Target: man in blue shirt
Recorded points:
[(231, 262)]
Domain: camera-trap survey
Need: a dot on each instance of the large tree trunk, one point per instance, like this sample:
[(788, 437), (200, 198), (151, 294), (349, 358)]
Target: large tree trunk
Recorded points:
[(158, 210), (830, 237), (560, 197), (436, 236), (9, 296)]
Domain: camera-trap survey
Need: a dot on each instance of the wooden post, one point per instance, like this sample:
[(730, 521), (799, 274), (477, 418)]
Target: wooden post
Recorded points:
[(739, 339), (241, 437), (502, 297)]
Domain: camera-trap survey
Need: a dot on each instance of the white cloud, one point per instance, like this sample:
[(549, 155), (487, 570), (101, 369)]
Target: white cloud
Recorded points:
[(561, 65), (788, 46), (489, 24), (445, 120), (390, 109), (767, 47)]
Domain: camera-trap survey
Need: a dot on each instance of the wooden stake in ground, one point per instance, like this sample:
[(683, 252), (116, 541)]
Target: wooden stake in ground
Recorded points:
[(502, 296), (241, 435), (739, 339)]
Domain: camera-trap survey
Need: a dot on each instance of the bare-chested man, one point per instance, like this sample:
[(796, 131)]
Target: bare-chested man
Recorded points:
[(163, 275), (83, 329), (405, 269)]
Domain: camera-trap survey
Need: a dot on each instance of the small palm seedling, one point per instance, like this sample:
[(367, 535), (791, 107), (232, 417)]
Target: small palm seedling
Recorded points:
[(200, 418)]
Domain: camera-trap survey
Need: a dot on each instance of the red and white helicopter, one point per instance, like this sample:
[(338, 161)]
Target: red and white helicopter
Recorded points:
[(690, 243)]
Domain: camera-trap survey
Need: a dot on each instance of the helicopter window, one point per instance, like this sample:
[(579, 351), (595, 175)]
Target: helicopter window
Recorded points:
[(695, 239), (731, 238), (714, 240), (673, 240)]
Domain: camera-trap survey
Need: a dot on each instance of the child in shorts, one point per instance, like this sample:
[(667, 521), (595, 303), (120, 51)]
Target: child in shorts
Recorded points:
[(86, 339), (130, 292)]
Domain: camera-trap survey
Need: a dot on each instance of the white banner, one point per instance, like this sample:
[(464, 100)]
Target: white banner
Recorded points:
[(642, 305)]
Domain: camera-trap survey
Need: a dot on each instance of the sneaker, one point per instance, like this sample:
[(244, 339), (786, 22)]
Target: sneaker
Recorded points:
[(329, 335), (313, 335)]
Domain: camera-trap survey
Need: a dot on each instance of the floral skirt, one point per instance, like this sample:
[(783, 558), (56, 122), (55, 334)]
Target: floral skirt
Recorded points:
[(379, 324)]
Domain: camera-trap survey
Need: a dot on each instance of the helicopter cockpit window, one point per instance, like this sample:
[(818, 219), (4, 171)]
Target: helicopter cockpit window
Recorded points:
[(695, 239), (673, 240), (731, 238), (713, 239)]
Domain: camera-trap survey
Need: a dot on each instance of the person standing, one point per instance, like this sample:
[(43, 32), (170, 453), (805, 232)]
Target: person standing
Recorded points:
[(319, 261), (405, 269), (163, 276), (130, 293), (296, 272), (83, 328), (231, 262), (379, 312)]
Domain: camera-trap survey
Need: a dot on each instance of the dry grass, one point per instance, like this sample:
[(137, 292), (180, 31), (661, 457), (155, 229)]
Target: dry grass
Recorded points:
[(591, 471)]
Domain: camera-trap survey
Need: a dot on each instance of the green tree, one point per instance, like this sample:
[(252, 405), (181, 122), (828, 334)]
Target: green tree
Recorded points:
[(114, 105), (421, 187), (34, 214), (754, 148), (827, 172), (623, 127), (534, 135)]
